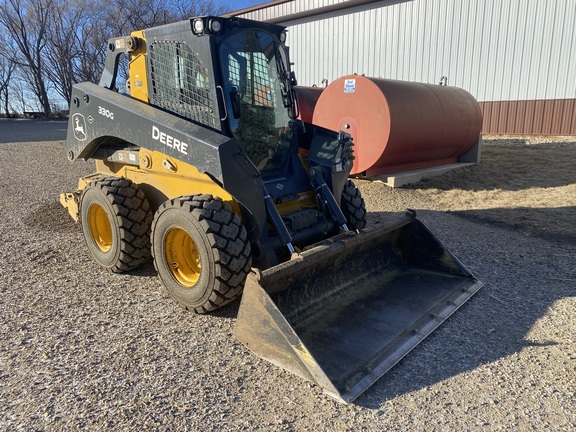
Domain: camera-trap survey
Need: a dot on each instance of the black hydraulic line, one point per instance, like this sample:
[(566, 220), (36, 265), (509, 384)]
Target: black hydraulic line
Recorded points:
[(277, 222)]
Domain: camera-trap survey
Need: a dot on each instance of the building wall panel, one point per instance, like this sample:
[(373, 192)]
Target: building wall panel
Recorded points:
[(536, 117), (519, 119), (568, 116), (530, 116), (497, 50), (556, 127), (520, 53)]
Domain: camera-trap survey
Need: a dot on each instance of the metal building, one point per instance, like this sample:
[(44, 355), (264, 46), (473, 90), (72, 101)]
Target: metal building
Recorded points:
[(517, 57)]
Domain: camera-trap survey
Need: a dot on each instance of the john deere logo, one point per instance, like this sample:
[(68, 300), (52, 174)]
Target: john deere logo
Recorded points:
[(79, 125)]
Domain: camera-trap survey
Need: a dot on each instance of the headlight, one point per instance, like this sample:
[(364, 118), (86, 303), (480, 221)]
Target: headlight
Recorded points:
[(198, 26)]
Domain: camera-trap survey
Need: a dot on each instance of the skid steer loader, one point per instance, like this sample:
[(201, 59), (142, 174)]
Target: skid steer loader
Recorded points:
[(203, 166)]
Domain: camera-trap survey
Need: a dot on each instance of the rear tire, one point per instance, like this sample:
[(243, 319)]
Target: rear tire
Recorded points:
[(353, 206), (201, 251), (115, 218)]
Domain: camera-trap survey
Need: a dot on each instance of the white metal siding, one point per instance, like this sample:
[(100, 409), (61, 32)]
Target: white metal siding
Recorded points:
[(496, 49), (289, 8)]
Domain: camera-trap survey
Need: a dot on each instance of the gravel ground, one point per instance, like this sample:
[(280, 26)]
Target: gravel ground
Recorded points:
[(80, 348), (31, 130)]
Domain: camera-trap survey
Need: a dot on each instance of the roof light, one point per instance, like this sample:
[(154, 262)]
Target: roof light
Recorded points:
[(198, 26), (215, 26)]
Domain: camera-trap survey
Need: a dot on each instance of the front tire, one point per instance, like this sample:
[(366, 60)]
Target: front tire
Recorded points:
[(201, 251), (353, 206), (115, 218)]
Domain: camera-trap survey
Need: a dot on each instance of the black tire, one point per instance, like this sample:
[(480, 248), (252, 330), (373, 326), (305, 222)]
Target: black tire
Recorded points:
[(116, 217), (353, 206), (201, 251)]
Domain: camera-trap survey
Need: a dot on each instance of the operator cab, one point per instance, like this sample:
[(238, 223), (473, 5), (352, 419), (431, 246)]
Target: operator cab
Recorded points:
[(259, 108), (254, 73), (260, 111)]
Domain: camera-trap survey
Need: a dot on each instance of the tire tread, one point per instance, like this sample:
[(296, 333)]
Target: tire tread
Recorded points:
[(228, 240), (353, 206), (134, 217)]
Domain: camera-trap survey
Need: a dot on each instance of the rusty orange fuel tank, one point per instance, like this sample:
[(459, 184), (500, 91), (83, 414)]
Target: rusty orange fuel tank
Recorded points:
[(307, 99), (399, 125)]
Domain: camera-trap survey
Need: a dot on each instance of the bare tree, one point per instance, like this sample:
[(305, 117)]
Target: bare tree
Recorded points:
[(6, 72), (21, 98), (79, 31), (27, 21), (7, 67), (189, 8), (125, 16), (51, 44), (62, 48), (91, 43)]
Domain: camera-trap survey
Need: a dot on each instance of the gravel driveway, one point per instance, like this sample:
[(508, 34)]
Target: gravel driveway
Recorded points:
[(80, 348)]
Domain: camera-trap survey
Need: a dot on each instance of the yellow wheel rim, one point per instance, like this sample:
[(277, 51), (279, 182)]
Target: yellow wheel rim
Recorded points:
[(182, 257), (100, 228)]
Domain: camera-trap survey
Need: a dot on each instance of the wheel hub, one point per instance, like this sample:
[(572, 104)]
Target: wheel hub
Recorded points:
[(100, 228), (182, 257)]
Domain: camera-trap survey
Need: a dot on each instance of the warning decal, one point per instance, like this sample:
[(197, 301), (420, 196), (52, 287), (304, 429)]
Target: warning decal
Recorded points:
[(349, 86)]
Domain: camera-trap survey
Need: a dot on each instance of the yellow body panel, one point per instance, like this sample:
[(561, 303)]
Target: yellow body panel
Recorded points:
[(70, 200), (137, 67), (305, 200), (161, 178)]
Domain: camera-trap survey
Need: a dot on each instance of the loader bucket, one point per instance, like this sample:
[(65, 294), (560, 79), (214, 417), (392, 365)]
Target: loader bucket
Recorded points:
[(344, 312)]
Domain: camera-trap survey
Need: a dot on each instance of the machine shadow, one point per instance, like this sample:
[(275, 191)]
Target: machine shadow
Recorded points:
[(552, 224), (519, 289)]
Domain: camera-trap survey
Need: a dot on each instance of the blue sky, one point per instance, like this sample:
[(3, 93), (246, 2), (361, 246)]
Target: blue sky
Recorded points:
[(233, 5)]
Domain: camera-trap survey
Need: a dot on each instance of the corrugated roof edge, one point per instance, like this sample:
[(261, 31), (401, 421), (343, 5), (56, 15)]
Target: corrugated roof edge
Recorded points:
[(308, 13), (254, 8)]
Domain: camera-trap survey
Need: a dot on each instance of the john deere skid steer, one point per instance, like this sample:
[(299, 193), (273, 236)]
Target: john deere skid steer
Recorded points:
[(203, 167)]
